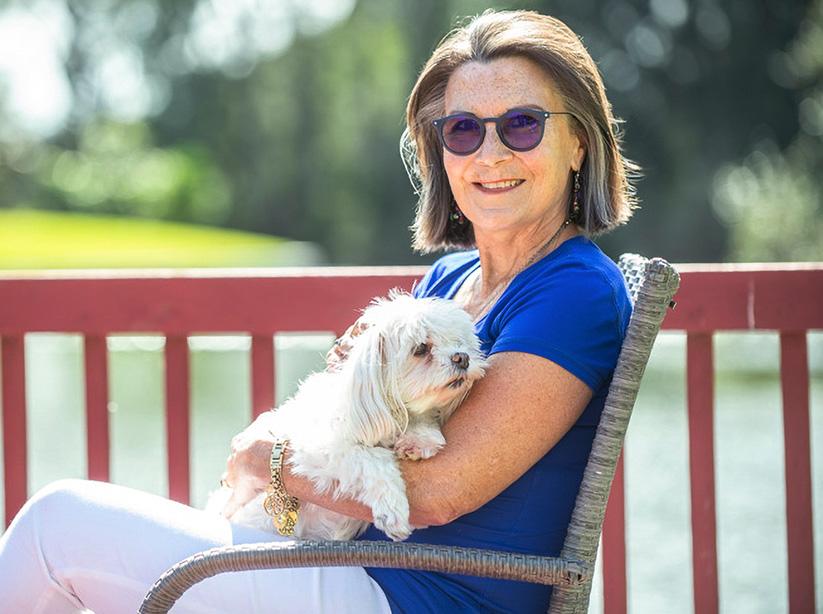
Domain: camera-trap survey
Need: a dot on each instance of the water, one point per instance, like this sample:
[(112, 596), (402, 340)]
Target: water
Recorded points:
[(749, 464)]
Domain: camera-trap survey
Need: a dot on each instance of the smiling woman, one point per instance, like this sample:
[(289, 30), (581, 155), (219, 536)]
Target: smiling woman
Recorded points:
[(549, 308)]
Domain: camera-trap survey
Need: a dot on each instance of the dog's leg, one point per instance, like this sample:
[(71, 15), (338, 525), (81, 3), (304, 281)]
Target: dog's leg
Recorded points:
[(372, 476), (421, 440)]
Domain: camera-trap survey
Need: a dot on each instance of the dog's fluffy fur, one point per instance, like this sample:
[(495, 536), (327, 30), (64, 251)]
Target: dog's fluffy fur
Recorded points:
[(404, 376)]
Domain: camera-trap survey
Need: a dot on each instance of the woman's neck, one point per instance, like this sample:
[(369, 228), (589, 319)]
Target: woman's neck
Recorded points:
[(503, 255)]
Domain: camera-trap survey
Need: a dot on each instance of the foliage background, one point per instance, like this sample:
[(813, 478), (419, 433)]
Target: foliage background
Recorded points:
[(282, 117)]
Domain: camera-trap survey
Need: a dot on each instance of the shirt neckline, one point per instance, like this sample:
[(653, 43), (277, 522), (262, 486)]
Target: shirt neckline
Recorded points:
[(474, 264)]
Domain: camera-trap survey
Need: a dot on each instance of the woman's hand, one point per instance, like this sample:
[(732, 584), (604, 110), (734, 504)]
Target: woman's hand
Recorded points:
[(248, 466), (339, 352)]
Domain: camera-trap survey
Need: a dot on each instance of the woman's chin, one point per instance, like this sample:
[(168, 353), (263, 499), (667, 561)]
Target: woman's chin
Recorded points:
[(495, 221)]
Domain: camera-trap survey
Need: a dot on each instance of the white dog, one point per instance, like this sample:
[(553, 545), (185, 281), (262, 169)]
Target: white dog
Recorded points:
[(405, 374)]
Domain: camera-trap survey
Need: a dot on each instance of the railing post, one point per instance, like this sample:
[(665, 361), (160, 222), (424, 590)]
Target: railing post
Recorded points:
[(794, 379), (700, 395), (614, 545), (262, 374), (177, 416), (15, 474), (95, 357)]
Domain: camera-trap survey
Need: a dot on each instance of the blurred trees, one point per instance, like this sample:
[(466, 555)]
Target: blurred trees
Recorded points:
[(773, 201), (283, 116)]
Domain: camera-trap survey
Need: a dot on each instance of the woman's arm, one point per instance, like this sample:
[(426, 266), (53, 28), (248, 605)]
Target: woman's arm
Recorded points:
[(511, 418)]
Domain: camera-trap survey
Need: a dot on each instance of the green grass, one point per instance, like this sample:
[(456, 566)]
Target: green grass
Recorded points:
[(31, 239)]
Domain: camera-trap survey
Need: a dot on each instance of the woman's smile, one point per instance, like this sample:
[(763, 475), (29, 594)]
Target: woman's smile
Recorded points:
[(499, 186)]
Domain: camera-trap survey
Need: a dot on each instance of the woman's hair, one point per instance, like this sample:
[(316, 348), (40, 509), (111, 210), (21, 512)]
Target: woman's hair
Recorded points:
[(606, 195)]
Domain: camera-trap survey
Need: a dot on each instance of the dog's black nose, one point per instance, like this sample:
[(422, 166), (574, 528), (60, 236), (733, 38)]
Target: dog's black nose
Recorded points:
[(461, 359)]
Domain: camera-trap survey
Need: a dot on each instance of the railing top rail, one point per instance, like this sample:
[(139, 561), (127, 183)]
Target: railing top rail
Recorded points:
[(213, 273), (744, 267), (712, 297), (183, 304), (352, 271), (773, 297)]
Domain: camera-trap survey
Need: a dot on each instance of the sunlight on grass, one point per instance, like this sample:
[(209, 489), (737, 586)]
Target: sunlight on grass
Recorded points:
[(32, 239)]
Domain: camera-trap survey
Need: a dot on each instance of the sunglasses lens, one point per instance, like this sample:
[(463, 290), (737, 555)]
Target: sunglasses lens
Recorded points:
[(463, 134), (521, 130)]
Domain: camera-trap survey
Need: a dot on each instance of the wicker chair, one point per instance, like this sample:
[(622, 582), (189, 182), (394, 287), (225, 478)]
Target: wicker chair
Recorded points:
[(652, 284)]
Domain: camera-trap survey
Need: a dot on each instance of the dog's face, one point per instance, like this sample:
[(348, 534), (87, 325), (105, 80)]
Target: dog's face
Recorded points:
[(430, 350), (416, 356)]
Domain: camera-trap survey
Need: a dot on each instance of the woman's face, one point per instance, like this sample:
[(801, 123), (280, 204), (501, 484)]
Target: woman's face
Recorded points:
[(499, 189)]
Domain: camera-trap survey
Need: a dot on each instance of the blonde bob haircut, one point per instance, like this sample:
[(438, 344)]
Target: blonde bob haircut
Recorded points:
[(606, 195)]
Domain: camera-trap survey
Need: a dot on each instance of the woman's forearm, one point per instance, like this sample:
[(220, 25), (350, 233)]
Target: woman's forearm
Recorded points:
[(248, 471), (302, 488)]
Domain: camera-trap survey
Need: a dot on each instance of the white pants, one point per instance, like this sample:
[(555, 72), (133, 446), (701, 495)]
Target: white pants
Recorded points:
[(78, 544)]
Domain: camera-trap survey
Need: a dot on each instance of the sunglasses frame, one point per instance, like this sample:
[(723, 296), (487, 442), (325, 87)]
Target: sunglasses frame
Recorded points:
[(540, 114)]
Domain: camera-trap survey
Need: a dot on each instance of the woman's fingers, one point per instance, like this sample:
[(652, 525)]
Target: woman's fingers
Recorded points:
[(240, 495), (248, 465), (335, 356), (358, 327), (247, 473), (339, 352)]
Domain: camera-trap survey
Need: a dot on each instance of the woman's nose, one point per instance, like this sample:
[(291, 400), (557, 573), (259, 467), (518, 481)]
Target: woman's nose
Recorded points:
[(492, 150), (461, 360)]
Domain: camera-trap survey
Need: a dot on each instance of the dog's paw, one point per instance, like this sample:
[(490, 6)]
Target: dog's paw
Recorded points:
[(391, 515), (416, 447), (393, 526)]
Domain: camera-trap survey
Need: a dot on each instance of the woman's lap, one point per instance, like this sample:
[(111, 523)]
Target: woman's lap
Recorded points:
[(102, 546)]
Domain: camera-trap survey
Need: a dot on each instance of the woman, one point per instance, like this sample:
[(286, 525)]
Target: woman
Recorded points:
[(512, 143)]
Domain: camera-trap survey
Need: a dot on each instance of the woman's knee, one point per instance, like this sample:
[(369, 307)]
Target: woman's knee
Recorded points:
[(50, 513), (61, 500)]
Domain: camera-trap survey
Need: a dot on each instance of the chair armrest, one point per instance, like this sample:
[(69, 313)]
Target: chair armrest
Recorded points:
[(487, 563)]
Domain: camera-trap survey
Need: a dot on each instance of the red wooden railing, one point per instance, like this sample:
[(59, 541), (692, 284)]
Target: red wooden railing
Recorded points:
[(783, 298)]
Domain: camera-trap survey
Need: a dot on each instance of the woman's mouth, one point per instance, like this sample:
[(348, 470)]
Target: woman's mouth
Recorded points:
[(496, 187)]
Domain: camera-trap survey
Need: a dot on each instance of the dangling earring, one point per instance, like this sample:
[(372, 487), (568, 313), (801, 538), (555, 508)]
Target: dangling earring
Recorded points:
[(574, 216), (456, 216)]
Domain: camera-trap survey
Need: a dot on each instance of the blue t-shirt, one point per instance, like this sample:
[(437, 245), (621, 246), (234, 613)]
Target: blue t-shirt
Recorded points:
[(572, 308)]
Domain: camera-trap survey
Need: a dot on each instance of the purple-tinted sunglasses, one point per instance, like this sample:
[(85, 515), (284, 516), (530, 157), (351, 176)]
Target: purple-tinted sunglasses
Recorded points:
[(518, 129)]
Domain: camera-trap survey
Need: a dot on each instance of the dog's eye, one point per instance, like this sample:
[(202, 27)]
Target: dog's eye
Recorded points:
[(421, 349)]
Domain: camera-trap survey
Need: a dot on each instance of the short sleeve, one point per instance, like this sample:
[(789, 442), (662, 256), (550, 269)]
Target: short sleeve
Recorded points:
[(439, 278), (422, 287), (575, 318)]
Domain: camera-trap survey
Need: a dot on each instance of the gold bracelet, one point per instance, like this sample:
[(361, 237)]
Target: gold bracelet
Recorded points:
[(279, 504)]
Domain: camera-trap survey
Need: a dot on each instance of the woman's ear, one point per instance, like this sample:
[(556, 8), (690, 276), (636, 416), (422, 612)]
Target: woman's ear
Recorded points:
[(579, 153), (376, 413)]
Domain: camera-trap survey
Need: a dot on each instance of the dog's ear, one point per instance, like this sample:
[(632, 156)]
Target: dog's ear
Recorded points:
[(376, 410)]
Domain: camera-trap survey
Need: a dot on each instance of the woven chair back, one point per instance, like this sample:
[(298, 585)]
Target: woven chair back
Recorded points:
[(651, 285)]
